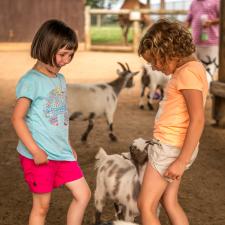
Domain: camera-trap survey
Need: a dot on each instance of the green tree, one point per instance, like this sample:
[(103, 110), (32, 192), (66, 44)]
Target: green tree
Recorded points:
[(95, 3)]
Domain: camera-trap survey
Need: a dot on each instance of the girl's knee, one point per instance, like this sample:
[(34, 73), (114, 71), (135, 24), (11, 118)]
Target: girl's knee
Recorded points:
[(88, 195), (145, 206), (169, 202), (142, 204), (41, 210), (85, 197)]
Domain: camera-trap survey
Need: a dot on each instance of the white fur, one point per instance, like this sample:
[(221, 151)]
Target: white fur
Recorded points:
[(156, 78), (106, 182), (120, 222), (89, 98), (88, 101)]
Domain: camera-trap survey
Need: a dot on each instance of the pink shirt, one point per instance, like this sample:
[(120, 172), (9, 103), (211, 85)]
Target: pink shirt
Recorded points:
[(197, 9)]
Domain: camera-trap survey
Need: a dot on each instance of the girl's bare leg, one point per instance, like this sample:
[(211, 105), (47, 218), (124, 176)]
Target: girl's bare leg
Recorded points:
[(152, 189), (81, 196), (39, 208), (172, 206)]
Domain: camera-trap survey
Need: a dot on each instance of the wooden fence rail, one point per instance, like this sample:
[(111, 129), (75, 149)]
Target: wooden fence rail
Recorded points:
[(136, 26)]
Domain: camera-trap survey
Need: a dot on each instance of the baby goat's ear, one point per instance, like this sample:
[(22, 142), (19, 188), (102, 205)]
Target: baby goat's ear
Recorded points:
[(135, 73), (126, 155)]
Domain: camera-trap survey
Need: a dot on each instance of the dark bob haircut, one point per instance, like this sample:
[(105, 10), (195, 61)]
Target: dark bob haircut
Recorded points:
[(52, 36)]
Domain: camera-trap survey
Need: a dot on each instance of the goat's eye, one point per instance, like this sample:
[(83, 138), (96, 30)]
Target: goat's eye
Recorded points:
[(133, 148)]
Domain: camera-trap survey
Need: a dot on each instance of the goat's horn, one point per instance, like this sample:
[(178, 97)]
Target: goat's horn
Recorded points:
[(128, 68), (209, 59), (123, 67)]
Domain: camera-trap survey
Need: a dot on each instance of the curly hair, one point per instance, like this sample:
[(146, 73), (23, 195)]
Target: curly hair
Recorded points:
[(166, 39)]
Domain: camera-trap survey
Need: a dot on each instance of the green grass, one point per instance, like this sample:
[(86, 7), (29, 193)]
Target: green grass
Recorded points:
[(108, 35)]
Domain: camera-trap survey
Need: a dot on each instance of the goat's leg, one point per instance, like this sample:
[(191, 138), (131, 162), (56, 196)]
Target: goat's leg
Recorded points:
[(141, 102), (150, 97), (129, 217), (125, 34), (111, 135), (125, 29), (97, 217), (158, 210), (89, 128), (109, 117), (99, 199), (150, 107), (119, 211)]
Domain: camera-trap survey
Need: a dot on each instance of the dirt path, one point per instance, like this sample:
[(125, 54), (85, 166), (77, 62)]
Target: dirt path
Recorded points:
[(202, 192)]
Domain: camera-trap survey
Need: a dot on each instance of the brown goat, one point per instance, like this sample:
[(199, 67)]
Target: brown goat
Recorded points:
[(124, 20)]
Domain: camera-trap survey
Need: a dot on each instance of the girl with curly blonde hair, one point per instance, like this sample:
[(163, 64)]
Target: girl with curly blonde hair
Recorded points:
[(179, 122)]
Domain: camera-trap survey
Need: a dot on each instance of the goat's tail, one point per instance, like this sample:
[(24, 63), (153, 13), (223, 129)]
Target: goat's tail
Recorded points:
[(100, 157)]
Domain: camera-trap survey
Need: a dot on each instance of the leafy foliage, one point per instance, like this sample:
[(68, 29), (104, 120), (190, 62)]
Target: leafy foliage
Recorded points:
[(95, 3), (108, 35)]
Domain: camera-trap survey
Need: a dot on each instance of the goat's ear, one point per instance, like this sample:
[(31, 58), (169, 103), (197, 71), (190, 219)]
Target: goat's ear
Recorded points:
[(135, 73), (119, 72), (126, 155)]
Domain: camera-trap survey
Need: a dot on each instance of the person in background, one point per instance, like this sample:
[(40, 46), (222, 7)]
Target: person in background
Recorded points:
[(203, 19), (40, 119)]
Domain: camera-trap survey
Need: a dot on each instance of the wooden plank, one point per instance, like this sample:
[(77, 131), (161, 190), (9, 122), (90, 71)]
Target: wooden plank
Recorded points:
[(87, 25), (143, 11), (111, 48), (136, 35)]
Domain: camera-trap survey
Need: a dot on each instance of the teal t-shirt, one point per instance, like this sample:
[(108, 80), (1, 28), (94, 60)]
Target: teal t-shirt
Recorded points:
[(47, 117)]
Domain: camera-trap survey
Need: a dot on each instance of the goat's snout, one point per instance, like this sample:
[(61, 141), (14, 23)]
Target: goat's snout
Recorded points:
[(138, 156)]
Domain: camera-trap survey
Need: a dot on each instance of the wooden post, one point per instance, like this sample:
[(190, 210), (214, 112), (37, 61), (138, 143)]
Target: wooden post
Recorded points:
[(162, 7), (99, 20), (217, 88), (136, 36), (87, 31), (135, 16), (136, 26)]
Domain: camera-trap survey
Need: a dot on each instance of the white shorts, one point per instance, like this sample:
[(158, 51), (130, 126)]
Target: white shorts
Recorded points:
[(161, 156)]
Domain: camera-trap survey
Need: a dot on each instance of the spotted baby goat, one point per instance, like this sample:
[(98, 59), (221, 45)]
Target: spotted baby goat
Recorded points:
[(119, 178), (94, 100), (116, 222)]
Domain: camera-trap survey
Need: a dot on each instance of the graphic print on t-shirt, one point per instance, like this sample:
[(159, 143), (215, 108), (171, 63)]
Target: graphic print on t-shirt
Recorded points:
[(56, 107)]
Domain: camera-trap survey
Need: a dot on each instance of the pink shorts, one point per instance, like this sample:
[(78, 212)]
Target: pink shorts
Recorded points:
[(43, 178)]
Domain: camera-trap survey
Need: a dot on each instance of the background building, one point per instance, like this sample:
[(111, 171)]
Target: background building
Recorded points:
[(20, 19)]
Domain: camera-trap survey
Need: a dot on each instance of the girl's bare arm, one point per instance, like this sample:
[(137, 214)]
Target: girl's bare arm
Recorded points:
[(194, 102), (19, 113)]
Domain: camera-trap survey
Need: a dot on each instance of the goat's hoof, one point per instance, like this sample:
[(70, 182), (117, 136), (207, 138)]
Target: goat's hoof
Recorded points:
[(150, 107), (141, 107), (113, 137), (83, 139)]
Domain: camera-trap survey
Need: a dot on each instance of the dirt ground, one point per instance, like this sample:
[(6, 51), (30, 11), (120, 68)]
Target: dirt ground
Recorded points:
[(202, 193)]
